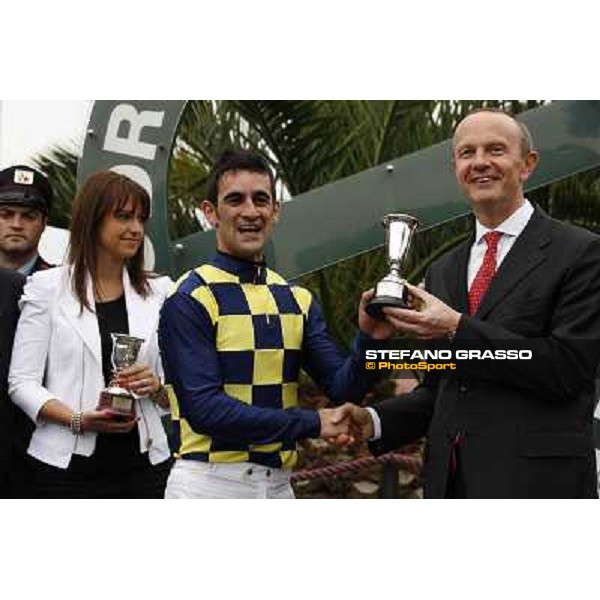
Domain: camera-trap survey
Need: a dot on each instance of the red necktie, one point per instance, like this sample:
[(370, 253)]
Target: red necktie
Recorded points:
[(486, 272)]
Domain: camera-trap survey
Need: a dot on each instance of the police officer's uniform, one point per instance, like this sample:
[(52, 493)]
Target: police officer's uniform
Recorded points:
[(25, 187)]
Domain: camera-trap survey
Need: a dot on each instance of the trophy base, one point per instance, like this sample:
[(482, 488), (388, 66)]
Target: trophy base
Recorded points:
[(118, 401), (375, 306)]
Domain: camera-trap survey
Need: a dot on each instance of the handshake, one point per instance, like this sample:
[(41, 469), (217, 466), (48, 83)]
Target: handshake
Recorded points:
[(346, 424)]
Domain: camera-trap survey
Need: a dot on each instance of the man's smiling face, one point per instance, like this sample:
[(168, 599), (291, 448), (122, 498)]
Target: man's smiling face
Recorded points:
[(244, 215), (489, 162)]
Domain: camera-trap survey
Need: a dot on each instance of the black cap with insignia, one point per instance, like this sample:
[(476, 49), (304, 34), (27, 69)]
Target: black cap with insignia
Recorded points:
[(24, 186)]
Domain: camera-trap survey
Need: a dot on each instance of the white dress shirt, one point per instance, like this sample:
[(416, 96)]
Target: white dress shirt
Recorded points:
[(28, 266), (510, 229)]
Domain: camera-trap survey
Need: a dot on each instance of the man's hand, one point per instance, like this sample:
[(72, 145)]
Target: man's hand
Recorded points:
[(379, 329), (361, 423), (335, 422), (432, 320), (345, 424)]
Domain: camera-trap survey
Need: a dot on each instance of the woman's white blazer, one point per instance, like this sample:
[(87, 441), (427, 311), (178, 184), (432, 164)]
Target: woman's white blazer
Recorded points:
[(57, 354)]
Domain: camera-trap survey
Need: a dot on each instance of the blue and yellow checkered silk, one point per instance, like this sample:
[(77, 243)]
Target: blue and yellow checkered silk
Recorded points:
[(233, 337)]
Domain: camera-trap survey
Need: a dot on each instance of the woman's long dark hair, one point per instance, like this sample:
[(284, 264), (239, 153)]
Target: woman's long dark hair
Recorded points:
[(102, 193)]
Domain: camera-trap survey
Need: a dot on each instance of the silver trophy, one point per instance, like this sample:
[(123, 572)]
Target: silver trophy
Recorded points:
[(392, 290), (124, 354)]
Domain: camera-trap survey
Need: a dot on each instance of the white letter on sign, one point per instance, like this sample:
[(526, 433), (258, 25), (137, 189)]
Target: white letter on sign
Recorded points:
[(137, 174), (131, 145)]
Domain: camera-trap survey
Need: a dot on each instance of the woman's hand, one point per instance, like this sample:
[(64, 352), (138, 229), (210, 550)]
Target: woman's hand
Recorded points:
[(139, 379), (105, 421)]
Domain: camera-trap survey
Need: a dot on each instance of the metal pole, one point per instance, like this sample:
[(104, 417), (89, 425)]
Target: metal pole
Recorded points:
[(389, 481)]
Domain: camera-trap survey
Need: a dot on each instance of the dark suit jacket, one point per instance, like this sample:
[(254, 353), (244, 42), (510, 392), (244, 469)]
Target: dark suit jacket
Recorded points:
[(11, 287), (16, 427), (525, 426)]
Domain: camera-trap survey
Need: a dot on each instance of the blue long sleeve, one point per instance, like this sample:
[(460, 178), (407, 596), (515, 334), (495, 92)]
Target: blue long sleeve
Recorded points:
[(344, 379), (191, 363)]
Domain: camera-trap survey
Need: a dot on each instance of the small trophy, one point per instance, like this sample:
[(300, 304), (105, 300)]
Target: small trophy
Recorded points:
[(124, 354), (392, 290)]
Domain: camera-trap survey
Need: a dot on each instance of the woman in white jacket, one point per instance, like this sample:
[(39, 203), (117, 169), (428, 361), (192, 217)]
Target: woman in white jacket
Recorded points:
[(61, 354)]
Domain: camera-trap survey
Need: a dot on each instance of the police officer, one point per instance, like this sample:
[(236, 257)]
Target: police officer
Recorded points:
[(25, 201)]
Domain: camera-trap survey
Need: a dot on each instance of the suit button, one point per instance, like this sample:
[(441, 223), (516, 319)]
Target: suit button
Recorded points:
[(463, 388)]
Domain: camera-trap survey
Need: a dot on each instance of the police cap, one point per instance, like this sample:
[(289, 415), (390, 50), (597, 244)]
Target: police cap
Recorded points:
[(24, 186)]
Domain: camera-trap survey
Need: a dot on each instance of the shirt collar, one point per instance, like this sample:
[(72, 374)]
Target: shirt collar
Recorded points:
[(513, 226), (28, 266), (248, 271)]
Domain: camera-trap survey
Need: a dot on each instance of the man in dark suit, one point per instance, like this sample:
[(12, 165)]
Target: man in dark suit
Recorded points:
[(11, 287), (25, 202), (503, 428)]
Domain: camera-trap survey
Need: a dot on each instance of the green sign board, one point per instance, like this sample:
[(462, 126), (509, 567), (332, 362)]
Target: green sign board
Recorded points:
[(135, 137), (336, 221)]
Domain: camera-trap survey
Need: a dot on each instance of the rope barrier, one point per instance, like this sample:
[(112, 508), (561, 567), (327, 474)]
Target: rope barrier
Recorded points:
[(408, 463)]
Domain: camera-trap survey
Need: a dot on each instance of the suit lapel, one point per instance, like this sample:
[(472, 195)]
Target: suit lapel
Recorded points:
[(526, 254), (85, 323), (456, 276), (140, 313)]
